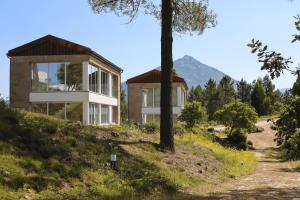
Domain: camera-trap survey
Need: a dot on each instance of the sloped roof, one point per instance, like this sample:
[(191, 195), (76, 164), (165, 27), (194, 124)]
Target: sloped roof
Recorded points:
[(51, 45), (154, 76)]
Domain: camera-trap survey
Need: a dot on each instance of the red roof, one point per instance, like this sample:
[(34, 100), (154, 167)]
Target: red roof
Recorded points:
[(154, 76), (51, 45)]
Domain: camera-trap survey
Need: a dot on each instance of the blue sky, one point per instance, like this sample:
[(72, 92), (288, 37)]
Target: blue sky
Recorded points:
[(136, 47)]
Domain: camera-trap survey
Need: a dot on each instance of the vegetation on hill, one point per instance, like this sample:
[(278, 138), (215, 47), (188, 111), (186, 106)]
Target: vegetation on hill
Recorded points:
[(47, 158)]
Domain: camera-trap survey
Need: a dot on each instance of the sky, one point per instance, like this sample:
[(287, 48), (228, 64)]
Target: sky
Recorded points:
[(135, 47)]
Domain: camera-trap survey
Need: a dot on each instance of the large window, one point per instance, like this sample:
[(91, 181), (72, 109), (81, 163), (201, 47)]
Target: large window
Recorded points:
[(174, 96), (93, 79), (104, 114), (152, 96), (115, 116), (68, 111), (94, 113), (114, 86), (39, 78), (57, 110), (56, 77), (156, 97), (104, 83)]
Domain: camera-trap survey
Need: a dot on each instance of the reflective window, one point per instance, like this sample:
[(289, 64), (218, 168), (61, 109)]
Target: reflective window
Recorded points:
[(74, 77), (93, 78), (39, 108), (39, 79), (74, 111), (94, 113), (156, 97), (114, 86), (174, 96), (104, 114), (57, 76), (115, 116), (104, 83), (57, 110), (150, 97)]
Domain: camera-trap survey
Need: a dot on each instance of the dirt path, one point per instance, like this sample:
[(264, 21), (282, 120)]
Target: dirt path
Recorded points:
[(273, 179)]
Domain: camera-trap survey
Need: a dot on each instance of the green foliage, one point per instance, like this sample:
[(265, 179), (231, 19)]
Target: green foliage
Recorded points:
[(288, 123), (237, 115), (210, 98), (238, 138), (296, 87), (150, 127), (196, 94), (258, 96), (124, 107), (179, 129), (225, 91), (293, 143), (244, 91), (192, 114)]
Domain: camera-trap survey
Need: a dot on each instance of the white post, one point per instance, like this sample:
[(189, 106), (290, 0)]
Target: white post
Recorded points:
[(179, 98), (85, 76), (85, 113), (110, 84), (99, 80), (144, 98), (99, 118), (144, 118)]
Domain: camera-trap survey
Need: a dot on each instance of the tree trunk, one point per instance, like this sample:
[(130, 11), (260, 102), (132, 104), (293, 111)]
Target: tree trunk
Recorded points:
[(166, 112)]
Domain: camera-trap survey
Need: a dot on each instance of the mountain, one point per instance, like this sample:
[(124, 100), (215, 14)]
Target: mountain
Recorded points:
[(193, 71)]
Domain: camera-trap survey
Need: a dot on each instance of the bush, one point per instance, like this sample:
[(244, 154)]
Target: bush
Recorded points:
[(192, 114), (237, 115), (150, 127), (178, 129), (293, 150), (238, 138)]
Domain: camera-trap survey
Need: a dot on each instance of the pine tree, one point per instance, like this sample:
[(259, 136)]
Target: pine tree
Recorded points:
[(296, 87), (225, 91), (210, 98), (244, 91), (258, 96)]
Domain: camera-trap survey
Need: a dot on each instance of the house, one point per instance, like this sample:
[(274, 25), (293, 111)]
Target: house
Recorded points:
[(60, 78), (144, 97)]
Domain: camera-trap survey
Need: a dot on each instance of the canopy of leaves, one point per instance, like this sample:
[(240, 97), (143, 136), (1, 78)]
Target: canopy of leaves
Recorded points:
[(192, 114), (237, 115), (188, 15)]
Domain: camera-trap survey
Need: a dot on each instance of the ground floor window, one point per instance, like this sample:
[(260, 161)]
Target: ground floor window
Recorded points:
[(94, 113), (68, 111), (104, 114)]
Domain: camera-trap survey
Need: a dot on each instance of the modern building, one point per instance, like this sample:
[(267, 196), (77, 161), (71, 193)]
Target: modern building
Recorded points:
[(63, 79), (144, 96)]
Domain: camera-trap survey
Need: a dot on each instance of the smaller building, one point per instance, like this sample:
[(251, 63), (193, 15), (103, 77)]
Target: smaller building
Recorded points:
[(144, 97)]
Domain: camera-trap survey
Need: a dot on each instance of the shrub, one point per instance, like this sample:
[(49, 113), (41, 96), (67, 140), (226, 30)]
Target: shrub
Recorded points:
[(178, 129), (293, 150), (192, 114), (150, 127), (237, 115), (238, 138)]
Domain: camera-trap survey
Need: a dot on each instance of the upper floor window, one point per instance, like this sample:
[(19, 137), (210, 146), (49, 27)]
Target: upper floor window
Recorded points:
[(151, 97), (93, 78), (104, 83), (56, 77)]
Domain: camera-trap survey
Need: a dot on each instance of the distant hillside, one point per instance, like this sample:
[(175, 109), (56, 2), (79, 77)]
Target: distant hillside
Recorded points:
[(193, 71)]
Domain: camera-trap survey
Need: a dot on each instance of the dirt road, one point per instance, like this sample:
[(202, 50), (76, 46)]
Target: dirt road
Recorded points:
[(273, 179)]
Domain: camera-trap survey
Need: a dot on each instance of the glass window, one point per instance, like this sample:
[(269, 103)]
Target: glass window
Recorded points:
[(74, 77), (156, 97), (150, 97), (115, 116), (104, 114), (57, 110), (39, 108), (114, 86), (57, 76), (94, 113), (104, 83), (174, 96), (93, 78), (39, 79), (74, 111)]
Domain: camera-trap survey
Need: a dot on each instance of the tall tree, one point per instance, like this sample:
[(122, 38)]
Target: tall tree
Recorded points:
[(124, 106), (180, 16), (258, 96), (296, 87), (191, 96), (225, 91), (210, 97), (244, 91)]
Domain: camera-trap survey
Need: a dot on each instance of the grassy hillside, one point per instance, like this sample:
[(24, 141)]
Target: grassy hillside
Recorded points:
[(45, 158)]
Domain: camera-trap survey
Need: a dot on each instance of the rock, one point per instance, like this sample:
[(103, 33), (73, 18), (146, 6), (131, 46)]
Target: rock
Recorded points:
[(115, 134)]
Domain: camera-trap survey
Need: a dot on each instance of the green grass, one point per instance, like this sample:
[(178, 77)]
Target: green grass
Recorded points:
[(46, 158), (235, 163)]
